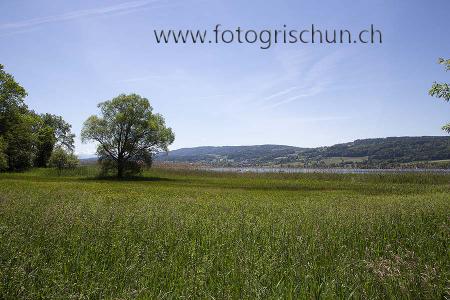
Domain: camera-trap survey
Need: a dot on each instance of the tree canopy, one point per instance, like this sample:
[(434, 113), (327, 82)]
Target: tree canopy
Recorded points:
[(53, 132), (442, 90), (128, 133)]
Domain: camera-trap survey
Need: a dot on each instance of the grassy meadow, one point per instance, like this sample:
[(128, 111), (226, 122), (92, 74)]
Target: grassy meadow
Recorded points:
[(201, 235)]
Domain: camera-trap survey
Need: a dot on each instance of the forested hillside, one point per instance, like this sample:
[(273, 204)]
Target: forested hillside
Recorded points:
[(426, 151)]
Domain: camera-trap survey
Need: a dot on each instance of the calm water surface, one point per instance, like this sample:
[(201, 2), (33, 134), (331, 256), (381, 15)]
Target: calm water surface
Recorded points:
[(326, 171)]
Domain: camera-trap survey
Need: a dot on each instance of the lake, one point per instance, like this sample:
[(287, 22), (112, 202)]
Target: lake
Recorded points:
[(326, 171)]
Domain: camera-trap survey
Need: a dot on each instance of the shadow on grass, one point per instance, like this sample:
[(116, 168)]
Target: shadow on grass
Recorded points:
[(130, 179)]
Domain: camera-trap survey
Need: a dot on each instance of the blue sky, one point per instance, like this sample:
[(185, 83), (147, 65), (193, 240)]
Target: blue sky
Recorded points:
[(70, 55)]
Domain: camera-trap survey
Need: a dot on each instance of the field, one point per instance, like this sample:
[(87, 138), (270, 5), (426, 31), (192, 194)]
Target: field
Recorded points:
[(190, 234)]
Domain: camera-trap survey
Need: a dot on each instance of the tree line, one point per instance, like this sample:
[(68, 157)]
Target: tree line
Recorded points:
[(28, 139)]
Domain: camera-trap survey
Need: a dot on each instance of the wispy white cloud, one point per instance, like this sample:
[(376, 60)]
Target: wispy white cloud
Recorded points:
[(290, 99), (322, 118), (320, 76), (281, 93), (177, 74), (113, 9), (143, 78)]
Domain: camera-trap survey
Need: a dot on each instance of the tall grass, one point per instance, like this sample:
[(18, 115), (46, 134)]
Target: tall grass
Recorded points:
[(188, 234)]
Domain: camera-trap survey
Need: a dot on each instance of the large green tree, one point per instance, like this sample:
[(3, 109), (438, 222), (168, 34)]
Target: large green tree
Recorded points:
[(442, 90), (127, 132)]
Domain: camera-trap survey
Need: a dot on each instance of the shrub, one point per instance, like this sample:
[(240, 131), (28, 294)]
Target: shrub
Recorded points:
[(62, 159)]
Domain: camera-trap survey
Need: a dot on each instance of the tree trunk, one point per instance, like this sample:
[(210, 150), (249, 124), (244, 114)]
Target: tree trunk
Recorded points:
[(120, 168)]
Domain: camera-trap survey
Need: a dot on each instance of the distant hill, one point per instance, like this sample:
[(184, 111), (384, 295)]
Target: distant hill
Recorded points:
[(88, 160), (426, 151), (232, 154)]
